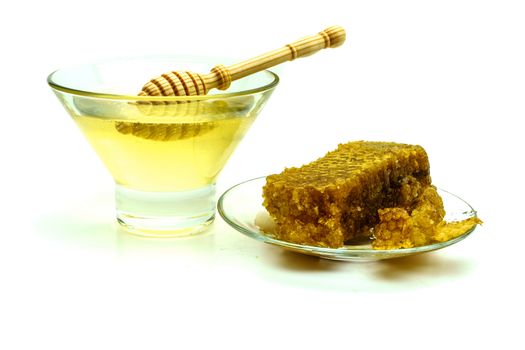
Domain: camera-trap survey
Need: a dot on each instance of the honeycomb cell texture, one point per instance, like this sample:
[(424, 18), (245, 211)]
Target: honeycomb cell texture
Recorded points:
[(337, 198)]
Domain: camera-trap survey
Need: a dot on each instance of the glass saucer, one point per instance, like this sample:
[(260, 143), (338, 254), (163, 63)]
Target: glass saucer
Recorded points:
[(241, 206)]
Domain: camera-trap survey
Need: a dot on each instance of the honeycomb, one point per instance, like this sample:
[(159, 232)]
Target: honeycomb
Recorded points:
[(336, 198), (424, 225), (449, 230), (398, 228)]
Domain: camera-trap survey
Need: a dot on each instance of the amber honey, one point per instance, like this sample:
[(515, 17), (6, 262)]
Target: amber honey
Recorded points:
[(165, 153)]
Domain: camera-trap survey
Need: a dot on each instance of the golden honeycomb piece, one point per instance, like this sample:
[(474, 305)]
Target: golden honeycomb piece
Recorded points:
[(424, 225), (399, 228), (337, 197)]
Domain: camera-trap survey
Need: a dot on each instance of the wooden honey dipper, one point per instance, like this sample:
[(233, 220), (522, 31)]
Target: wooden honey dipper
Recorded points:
[(183, 83)]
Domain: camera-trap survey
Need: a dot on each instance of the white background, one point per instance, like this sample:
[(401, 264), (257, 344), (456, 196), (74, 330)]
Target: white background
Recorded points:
[(448, 75)]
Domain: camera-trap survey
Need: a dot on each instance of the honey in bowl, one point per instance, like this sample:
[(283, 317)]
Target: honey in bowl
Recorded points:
[(170, 152), (164, 153)]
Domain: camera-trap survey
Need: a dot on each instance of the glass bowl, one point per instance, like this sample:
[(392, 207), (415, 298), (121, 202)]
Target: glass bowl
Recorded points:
[(164, 153)]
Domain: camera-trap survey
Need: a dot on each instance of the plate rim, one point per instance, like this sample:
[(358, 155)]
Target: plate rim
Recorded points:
[(259, 236)]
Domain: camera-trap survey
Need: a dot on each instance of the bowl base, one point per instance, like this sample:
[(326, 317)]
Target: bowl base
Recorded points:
[(147, 227), (165, 214)]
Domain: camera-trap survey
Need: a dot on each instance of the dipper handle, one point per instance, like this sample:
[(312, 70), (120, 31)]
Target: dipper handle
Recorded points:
[(221, 76)]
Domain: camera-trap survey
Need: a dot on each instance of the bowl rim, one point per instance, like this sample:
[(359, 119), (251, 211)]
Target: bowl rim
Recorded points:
[(112, 96)]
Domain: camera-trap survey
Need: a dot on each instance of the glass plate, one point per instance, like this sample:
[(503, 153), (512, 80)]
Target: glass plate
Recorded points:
[(241, 206)]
